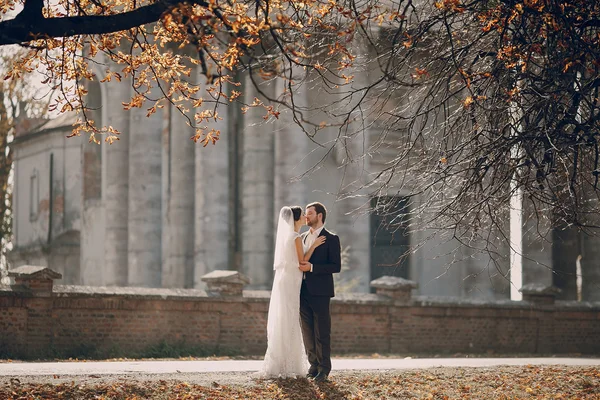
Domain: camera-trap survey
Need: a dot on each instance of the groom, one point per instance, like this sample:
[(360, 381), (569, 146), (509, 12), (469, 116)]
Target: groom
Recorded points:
[(317, 290)]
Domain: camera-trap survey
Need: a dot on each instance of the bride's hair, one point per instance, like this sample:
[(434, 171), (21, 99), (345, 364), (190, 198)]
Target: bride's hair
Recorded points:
[(297, 211)]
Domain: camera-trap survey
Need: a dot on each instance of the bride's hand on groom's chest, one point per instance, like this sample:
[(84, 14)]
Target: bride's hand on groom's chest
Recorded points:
[(320, 249)]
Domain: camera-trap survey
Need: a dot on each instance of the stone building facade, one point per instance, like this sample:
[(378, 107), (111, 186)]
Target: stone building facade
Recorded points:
[(154, 209)]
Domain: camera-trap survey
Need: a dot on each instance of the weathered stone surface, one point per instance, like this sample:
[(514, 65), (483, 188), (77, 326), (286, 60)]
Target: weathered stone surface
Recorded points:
[(144, 215), (395, 287), (539, 288), (213, 199), (127, 292), (33, 272), (539, 293), (115, 187), (221, 276), (393, 283), (34, 279), (257, 183), (225, 283)]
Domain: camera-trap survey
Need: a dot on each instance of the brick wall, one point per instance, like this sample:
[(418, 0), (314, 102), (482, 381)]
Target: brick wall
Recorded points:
[(126, 320)]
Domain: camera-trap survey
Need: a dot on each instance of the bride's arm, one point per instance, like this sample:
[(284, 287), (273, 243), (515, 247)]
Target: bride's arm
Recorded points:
[(299, 249), (306, 256)]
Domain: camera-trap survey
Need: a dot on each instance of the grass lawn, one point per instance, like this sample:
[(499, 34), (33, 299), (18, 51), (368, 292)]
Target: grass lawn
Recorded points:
[(530, 382)]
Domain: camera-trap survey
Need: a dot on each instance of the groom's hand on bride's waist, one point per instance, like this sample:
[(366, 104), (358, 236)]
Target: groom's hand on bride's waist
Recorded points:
[(305, 266)]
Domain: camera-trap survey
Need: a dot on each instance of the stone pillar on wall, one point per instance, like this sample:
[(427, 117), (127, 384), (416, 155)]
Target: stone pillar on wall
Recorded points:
[(35, 280), (211, 198), (178, 205), (115, 166), (224, 283), (539, 293), (35, 283), (399, 289), (257, 189), (144, 201)]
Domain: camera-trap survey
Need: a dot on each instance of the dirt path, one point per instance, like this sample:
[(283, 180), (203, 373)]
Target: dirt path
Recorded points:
[(504, 382)]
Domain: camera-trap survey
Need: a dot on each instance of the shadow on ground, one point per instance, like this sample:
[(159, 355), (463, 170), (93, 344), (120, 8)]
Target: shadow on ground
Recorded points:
[(301, 389)]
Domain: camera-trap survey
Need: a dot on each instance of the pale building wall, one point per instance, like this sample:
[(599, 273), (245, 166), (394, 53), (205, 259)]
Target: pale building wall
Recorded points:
[(35, 212), (31, 219)]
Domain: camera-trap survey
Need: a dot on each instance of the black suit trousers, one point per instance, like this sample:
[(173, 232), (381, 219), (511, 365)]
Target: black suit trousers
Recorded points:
[(316, 329)]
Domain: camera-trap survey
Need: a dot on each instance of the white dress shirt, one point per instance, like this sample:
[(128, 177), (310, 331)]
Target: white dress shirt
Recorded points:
[(310, 240)]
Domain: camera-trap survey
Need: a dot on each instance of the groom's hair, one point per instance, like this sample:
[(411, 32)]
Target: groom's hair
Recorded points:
[(319, 208)]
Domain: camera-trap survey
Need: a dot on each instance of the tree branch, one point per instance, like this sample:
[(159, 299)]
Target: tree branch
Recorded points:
[(30, 25)]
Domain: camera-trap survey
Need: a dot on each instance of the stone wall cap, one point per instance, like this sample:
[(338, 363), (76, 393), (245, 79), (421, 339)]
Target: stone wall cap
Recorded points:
[(459, 302), (128, 291), (225, 277), (539, 289), (393, 282), (361, 298), (33, 271)]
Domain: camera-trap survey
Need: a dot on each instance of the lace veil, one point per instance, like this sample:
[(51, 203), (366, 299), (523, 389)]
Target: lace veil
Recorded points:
[(284, 251)]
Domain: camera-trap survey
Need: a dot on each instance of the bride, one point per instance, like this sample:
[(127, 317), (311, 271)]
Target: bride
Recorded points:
[(285, 356)]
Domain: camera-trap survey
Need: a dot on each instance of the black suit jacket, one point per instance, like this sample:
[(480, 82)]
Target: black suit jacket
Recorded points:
[(326, 261)]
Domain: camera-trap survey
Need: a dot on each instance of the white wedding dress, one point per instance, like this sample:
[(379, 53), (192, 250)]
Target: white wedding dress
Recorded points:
[(285, 356)]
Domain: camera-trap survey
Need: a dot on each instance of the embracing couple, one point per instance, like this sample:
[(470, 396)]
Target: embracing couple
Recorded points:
[(302, 289)]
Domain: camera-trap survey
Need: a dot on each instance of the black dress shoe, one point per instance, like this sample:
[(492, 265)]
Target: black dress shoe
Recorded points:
[(312, 373), (321, 377)]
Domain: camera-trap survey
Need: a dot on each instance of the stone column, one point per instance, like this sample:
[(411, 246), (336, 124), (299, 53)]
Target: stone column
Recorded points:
[(257, 188), (291, 147), (144, 202), (34, 285), (211, 200), (353, 223), (115, 164), (178, 229), (92, 209)]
